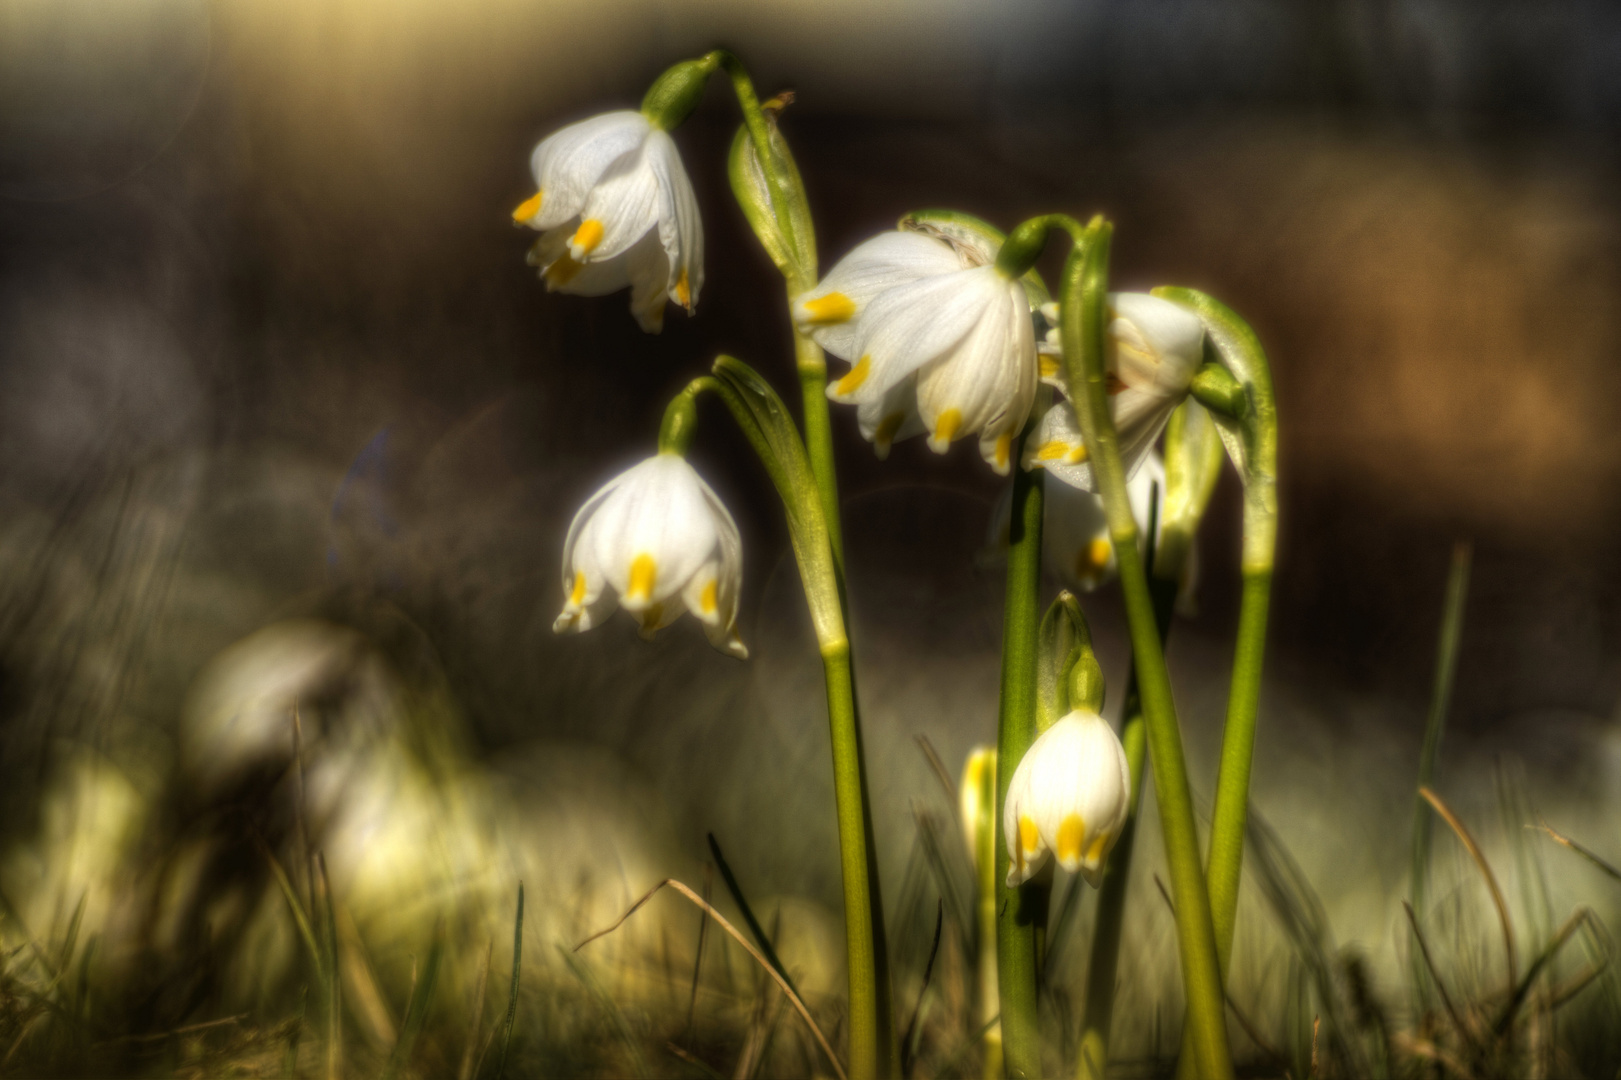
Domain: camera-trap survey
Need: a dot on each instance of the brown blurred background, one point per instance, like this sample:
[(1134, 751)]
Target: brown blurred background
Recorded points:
[(268, 348)]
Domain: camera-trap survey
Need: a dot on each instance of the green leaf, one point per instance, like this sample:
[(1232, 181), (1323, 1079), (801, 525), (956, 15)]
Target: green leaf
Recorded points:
[(1068, 675), (786, 232), (1192, 465)]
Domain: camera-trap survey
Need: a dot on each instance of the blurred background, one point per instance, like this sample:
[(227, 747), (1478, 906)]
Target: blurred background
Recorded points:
[(285, 418)]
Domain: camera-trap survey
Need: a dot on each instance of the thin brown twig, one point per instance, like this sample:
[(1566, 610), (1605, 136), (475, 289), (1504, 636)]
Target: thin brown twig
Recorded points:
[(1579, 849), (741, 940), (1469, 844)]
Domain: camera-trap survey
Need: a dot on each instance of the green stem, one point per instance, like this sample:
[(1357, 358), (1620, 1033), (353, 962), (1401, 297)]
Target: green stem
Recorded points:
[(763, 420), (1018, 908), (1105, 959), (863, 921), (1237, 755), (1082, 329), (812, 367)]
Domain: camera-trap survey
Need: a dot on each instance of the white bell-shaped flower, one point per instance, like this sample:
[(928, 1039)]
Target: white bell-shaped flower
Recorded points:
[(1152, 348), (937, 338), (1069, 797), (1075, 534), (661, 540), (614, 208)]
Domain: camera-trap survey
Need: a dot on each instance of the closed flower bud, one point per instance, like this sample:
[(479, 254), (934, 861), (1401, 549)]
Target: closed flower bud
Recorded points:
[(614, 208), (1068, 797), (661, 540), (938, 340)]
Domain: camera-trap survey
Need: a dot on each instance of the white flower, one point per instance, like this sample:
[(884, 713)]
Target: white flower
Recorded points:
[(1069, 796), (1075, 534), (660, 538), (1152, 350), (937, 339), (614, 208)]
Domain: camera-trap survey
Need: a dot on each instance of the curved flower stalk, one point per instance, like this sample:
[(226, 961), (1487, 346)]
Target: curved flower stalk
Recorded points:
[(938, 341), (1152, 349), (660, 539), (1068, 798), (614, 207)]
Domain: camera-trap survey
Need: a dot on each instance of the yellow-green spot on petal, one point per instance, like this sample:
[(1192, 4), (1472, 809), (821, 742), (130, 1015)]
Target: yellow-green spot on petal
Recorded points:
[(1071, 831), (1076, 455), (887, 427), (945, 427), (644, 573), (1098, 552), (576, 597), (1052, 450), (1029, 837), (651, 618), (562, 272), (829, 310), (1094, 854), (1004, 444), (683, 290), (854, 377), (528, 208), (585, 238), (709, 598), (1049, 367)]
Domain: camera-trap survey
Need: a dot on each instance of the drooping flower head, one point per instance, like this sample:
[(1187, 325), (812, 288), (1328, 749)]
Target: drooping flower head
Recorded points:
[(614, 208), (1075, 536), (661, 540), (937, 338), (1152, 348), (1068, 797)]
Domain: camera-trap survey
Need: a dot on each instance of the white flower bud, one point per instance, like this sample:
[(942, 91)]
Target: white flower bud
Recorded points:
[(1069, 796)]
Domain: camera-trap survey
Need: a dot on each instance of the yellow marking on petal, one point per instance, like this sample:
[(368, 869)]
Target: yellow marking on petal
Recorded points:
[(651, 617), (1049, 367), (946, 425), (855, 377), (577, 596), (1071, 831), (887, 427), (1004, 444), (708, 600), (562, 271), (1095, 852), (1052, 451), (683, 290), (1077, 454), (585, 238), (1029, 837), (1099, 551), (528, 208), (643, 573), (830, 310)]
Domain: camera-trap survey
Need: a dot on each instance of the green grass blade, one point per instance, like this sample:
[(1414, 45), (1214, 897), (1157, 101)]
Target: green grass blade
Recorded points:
[(416, 1013), (755, 929), (512, 997)]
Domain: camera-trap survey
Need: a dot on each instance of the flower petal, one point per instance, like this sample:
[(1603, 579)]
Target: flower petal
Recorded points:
[(830, 313), (567, 164), (658, 514), (891, 418), (619, 211), (909, 325), (681, 229)]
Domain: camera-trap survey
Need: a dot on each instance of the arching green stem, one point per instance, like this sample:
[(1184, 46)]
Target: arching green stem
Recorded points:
[(1082, 327), (764, 420)]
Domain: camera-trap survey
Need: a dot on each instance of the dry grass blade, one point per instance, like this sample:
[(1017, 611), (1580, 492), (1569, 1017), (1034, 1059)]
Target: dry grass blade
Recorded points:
[(720, 920), (1572, 924), (1473, 848), (948, 785), (1578, 849), (1435, 976), (305, 930), (913, 1036), (615, 1015), (1423, 1048)]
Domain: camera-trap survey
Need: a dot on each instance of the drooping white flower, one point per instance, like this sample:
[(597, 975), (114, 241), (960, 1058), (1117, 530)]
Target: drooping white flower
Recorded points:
[(661, 540), (1068, 797), (614, 208), (1152, 348), (1075, 534), (938, 340)]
